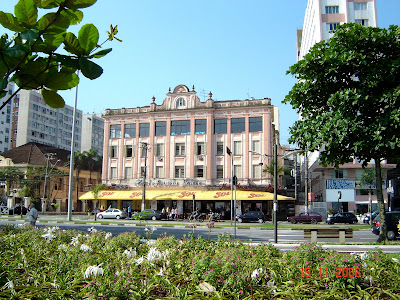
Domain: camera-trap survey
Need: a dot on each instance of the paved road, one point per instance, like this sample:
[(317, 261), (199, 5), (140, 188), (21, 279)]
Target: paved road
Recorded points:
[(179, 230)]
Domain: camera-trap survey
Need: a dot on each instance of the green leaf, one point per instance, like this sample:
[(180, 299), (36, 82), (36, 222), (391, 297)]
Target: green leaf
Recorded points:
[(90, 69), (67, 61), (3, 83), (53, 99), (52, 41), (16, 51), (72, 44), (88, 37), (46, 3), (74, 16), (26, 12), (29, 37), (76, 4), (59, 24), (101, 53), (3, 93), (10, 22), (63, 80)]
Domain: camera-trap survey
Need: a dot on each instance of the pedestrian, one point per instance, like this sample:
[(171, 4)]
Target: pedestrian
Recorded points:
[(33, 215), (129, 211)]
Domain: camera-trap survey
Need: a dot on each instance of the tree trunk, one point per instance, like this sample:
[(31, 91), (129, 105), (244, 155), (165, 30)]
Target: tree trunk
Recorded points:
[(381, 203)]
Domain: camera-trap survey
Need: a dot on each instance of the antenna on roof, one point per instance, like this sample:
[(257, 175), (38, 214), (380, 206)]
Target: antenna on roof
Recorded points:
[(204, 94)]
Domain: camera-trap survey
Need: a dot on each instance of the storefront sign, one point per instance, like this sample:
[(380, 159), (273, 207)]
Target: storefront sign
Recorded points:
[(340, 184)]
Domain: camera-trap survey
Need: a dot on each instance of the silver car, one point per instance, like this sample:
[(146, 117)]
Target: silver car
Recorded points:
[(112, 213)]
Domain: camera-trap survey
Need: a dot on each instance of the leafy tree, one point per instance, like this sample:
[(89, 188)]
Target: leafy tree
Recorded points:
[(347, 95), (94, 161), (31, 58), (12, 176), (270, 169), (368, 179)]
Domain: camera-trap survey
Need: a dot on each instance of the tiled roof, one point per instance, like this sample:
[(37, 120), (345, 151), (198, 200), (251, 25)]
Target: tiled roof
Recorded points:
[(34, 154)]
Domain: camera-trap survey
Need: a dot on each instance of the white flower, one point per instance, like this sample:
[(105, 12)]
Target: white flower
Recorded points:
[(48, 236), (361, 256), (9, 285), (369, 280), (75, 240), (62, 247), (395, 259), (139, 260), (153, 254), (49, 232), (92, 230), (86, 248), (365, 265), (108, 235), (56, 286), (271, 284), (93, 270), (256, 273), (160, 273), (128, 252)]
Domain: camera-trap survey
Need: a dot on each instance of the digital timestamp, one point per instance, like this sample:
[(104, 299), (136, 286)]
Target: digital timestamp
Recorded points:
[(339, 272)]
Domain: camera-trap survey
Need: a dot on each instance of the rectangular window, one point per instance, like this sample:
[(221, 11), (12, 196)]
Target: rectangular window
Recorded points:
[(237, 125), (161, 128), (128, 172), (159, 172), (200, 126), (363, 22), (180, 127), (331, 26), (130, 130), (144, 129), (256, 171), (339, 174), (256, 147), (220, 148), (237, 148), (159, 149), (360, 6), (199, 171), (220, 126), (238, 171), (179, 149), (113, 151), (115, 131), (200, 148), (128, 151), (255, 124), (331, 9), (114, 173), (179, 172)]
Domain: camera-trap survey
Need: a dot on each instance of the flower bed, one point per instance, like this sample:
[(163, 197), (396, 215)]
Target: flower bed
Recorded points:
[(58, 264)]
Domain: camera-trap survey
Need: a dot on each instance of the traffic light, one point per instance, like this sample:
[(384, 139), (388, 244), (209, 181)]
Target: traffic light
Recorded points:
[(234, 180)]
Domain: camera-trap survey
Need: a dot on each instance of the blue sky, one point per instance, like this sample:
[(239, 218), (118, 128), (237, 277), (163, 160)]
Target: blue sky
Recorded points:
[(234, 48)]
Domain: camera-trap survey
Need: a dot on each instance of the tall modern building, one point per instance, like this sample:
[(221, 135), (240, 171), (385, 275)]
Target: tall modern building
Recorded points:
[(5, 120), (322, 17), (186, 151), (93, 133), (34, 121)]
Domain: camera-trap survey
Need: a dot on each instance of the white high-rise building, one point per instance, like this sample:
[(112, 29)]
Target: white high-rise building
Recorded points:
[(34, 121), (322, 17), (5, 120), (93, 133)]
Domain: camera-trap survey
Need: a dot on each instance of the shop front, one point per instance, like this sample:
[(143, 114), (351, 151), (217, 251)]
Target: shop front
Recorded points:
[(185, 200)]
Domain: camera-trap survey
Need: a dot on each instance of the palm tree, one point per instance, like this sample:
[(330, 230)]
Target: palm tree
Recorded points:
[(79, 164), (368, 179), (269, 169), (93, 160)]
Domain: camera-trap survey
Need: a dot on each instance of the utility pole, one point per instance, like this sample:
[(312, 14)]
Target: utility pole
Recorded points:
[(144, 153), (48, 157)]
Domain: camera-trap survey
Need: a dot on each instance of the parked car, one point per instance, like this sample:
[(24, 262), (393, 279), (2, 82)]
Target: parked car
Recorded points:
[(148, 214), (366, 218), (311, 217), (252, 216), (345, 217), (97, 210), (17, 210), (392, 220), (112, 213)]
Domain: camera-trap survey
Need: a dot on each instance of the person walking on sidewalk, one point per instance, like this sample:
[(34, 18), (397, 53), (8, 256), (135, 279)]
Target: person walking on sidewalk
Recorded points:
[(33, 215)]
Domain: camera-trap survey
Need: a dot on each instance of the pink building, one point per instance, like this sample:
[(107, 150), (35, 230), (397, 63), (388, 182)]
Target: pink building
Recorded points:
[(186, 143)]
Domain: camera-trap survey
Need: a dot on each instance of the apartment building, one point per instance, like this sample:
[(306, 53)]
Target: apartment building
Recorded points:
[(179, 147), (34, 121), (5, 119), (93, 131)]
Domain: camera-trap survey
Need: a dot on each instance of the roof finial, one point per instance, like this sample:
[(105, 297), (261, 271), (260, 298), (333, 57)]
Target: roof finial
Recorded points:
[(154, 99), (210, 95), (169, 90), (193, 88)]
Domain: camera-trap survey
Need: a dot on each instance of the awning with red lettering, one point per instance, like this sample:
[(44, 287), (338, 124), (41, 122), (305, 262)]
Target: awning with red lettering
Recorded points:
[(170, 194)]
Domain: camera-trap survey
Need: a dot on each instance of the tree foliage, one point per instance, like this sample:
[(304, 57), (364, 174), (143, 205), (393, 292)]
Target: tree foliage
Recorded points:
[(32, 57), (347, 95)]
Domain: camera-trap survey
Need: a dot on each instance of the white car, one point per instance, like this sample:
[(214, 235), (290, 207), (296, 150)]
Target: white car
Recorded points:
[(112, 213)]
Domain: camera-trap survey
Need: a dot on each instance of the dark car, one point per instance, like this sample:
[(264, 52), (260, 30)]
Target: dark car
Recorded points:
[(17, 210), (345, 217), (311, 217), (392, 220), (252, 216), (366, 219), (148, 214)]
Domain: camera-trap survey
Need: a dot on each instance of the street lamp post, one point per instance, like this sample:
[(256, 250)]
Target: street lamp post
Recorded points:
[(144, 149), (232, 174)]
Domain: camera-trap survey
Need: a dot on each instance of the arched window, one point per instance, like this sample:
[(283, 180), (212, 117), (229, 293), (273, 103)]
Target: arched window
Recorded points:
[(180, 103)]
